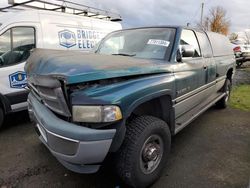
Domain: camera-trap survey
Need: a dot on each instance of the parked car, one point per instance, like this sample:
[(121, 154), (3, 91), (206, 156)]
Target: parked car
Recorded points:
[(22, 31), (128, 98), (241, 52)]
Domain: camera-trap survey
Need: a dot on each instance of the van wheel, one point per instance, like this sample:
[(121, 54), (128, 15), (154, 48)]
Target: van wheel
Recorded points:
[(1, 117), (144, 151), (222, 103)]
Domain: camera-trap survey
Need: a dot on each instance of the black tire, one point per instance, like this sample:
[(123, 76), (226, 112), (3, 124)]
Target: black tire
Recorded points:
[(130, 159), (1, 117), (222, 103)]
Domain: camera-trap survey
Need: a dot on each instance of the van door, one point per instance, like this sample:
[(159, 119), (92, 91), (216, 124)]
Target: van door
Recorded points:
[(15, 46), (189, 75)]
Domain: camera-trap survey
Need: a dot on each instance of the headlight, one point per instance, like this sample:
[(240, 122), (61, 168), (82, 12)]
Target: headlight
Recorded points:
[(96, 114)]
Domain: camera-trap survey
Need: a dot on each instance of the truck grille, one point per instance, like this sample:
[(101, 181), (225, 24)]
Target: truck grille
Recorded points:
[(49, 91)]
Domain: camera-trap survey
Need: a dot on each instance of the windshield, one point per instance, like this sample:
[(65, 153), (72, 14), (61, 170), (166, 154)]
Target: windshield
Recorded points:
[(148, 43)]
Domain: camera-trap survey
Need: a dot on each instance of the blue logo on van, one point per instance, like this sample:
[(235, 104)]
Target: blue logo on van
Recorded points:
[(18, 80), (67, 38)]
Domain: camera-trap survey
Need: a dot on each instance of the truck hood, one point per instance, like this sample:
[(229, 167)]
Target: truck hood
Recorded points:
[(76, 67)]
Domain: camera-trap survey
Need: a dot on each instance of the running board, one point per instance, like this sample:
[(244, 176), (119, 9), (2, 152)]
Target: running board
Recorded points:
[(191, 115)]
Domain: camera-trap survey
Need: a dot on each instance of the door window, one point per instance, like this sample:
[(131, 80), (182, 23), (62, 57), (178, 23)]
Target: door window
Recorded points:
[(204, 44), (5, 42), (188, 38), (15, 45)]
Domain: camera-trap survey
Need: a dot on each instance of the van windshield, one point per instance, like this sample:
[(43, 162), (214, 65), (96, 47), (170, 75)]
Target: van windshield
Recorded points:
[(148, 43)]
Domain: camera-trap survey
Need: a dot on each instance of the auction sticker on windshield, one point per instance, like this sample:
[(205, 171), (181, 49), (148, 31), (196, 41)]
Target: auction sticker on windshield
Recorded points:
[(158, 42)]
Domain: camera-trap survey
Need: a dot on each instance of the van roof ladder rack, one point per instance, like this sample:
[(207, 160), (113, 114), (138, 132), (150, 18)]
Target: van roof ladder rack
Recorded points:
[(61, 6)]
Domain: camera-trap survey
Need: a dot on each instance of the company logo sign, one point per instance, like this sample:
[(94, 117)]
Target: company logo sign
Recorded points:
[(67, 38), (18, 80), (87, 39), (80, 38)]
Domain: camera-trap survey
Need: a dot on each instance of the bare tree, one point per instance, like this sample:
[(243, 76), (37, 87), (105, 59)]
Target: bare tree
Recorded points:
[(247, 36), (242, 37), (233, 37), (217, 21), (205, 25)]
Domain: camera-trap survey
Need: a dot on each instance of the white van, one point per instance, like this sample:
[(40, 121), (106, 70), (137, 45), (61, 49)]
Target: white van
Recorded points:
[(27, 29)]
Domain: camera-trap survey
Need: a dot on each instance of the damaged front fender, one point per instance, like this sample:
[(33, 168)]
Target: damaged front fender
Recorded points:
[(127, 94)]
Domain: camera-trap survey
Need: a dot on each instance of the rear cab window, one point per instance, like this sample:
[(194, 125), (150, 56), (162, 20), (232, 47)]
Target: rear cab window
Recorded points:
[(205, 45), (15, 45)]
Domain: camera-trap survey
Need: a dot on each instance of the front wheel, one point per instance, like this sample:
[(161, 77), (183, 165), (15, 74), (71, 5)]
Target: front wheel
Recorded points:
[(222, 103), (144, 151)]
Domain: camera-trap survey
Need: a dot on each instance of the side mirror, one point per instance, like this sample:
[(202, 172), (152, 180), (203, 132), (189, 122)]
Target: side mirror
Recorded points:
[(187, 50), (178, 56)]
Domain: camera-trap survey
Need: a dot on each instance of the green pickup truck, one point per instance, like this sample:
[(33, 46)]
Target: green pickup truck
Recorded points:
[(128, 98)]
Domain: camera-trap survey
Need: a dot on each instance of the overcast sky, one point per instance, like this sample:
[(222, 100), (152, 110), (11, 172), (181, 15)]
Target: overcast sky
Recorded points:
[(169, 12)]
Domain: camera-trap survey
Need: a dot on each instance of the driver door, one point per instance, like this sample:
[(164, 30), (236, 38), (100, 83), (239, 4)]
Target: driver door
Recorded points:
[(190, 75)]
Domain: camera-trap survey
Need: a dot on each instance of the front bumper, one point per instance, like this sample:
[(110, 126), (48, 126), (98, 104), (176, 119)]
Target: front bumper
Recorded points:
[(78, 148)]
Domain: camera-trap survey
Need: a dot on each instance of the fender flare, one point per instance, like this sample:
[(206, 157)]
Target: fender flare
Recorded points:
[(165, 107), (147, 98)]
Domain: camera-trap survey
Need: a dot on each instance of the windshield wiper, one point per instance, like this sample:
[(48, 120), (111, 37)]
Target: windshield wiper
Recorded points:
[(123, 54)]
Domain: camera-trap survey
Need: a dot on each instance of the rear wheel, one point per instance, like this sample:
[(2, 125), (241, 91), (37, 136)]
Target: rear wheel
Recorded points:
[(144, 151), (1, 117), (222, 103)]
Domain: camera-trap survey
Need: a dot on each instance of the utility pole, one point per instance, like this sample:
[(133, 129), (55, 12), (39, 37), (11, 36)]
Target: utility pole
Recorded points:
[(202, 7)]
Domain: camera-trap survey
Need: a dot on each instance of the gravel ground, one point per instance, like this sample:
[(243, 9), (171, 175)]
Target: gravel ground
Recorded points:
[(213, 151), (242, 75)]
